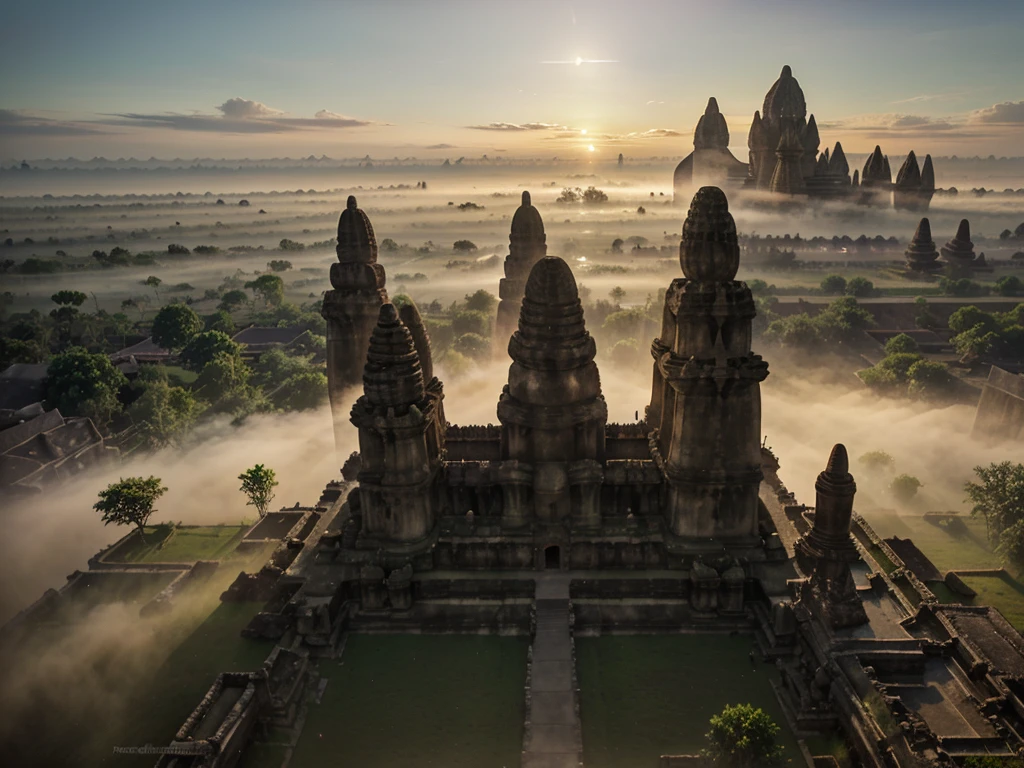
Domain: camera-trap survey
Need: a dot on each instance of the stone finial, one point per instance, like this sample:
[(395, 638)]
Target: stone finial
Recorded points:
[(838, 165), (756, 138), (527, 225), (711, 131), (410, 317), (787, 179), (811, 138), (886, 170), (909, 175), (786, 71), (856, 178), (927, 175), (921, 254), (963, 233), (552, 333), (785, 100), (526, 198), (356, 241), (709, 251), (876, 169), (838, 462), (392, 376)]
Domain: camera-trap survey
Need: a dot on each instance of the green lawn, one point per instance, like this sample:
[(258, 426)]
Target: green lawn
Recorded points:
[(180, 377), (1001, 592), (949, 549), (646, 696), (449, 701), (184, 544)]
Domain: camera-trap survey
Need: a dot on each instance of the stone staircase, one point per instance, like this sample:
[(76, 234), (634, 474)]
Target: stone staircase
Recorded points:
[(551, 737)]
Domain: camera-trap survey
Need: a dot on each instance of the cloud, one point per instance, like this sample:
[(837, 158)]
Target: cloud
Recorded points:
[(518, 127), (15, 122), (242, 109), (655, 133), (440, 146), (893, 121), (1003, 113), (240, 116)]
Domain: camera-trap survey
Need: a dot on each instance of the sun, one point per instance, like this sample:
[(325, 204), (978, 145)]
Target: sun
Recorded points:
[(583, 131), (590, 148), (579, 60)]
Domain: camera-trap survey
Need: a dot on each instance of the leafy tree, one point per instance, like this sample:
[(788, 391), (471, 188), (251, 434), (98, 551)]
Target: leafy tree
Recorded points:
[(219, 321), (389, 245), (223, 381), (130, 501), (464, 246), (232, 300), (899, 363), (900, 343), (570, 195), (743, 736), (970, 316), (1010, 285), (617, 244), (275, 366), (593, 195), (203, 347), (164, 414), (625, 353), (154, 282), (258, 484), (974, 343), (481, 301), (279, 265), (930, 380), (860, 287), (626, 324), (177, 250), (617, 294), (471, 321), (82, 384), (1011, 544), (69, 298), (473, 346), (269, 287), (833, 285), (17, 351), (877, 461), (904, 487), (290, 245), (998, 497), (175, 325), (67, 310), (302, 392)]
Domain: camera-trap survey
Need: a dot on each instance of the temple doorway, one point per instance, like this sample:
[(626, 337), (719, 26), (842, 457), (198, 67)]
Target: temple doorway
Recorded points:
[(552, 558)]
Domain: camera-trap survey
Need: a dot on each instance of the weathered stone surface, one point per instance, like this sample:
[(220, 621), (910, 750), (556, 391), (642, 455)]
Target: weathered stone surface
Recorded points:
[(959, 252), (921, 254), (527, 245), (711, 161), (788, 178)]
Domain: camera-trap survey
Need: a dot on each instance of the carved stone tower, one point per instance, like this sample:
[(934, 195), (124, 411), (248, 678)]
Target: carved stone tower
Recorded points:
[(351, 309), (552, 412), (826, 551), (527, 245), (401, 439), (921, 254), (705, 412)]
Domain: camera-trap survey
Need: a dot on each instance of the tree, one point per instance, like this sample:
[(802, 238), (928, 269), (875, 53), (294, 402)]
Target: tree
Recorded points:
[(130, 501), (279, 265), (82, 384), (302, 391), (232, 300), (219, 321), (743, 736), (387, 244), (224, 380), (203, 347), (973, 344), (464, 246), (617, 244), (904, 487), (570, 195), (930, 380), (594, 195), (269, 287), (290, 245), (153, 282), (258, 484), (617, 294), (970, 316), (175, 325), (481, 301), (473, 346), (833, 285), (471, 321), (1009, 285), (67, 309), (900, 343), (875, 461), (860, 287), (164, 414), (998, 497), (69, 298)]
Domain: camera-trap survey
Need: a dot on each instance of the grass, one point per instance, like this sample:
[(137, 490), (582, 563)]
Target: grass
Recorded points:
[(949, 549), (1001, 592), (946, 595), (646, 696), (180, 377), (449, 701), (833, 745), (183, 544)]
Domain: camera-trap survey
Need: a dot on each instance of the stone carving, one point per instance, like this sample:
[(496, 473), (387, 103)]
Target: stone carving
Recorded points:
[(711, 160), (921, 254), (958, 253), (527, 246)]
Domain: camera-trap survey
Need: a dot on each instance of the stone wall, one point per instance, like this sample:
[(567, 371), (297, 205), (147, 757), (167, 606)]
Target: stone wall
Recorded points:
[(1000, 414)]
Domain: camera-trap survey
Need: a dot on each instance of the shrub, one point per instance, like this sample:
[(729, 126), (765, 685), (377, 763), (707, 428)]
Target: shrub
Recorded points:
[(833, 285)]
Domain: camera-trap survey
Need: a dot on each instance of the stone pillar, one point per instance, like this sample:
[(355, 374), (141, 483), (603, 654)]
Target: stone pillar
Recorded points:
[(706, 403), (704, 583), (552, 412), (399, 585), (527, 246), (351, 309), (398, 439)]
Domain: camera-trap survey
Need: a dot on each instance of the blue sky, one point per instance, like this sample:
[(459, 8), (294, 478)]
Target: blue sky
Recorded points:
[(399, 77)]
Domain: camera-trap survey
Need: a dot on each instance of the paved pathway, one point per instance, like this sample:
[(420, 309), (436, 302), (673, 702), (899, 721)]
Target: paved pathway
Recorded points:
[(553, 739)]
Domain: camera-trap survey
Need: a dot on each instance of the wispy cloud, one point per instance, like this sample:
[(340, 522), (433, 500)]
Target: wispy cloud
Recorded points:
[(440, 146), (15, 122), (1006, 113), (511, 127), (931, 97)]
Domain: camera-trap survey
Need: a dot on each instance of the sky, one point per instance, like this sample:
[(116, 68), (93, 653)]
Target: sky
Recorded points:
[(447, 78)]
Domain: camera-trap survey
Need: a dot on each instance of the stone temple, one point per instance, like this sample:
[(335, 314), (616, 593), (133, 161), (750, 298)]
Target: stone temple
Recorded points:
[(554, 524), (784, 158)]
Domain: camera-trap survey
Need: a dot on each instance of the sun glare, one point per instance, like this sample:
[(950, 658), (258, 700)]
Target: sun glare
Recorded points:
[(590, 148), (579, 60)]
